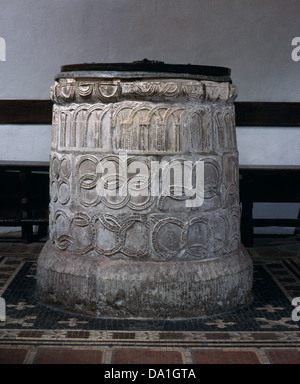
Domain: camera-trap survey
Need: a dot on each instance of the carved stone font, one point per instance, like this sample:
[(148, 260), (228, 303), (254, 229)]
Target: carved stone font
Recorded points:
[(137, 242)]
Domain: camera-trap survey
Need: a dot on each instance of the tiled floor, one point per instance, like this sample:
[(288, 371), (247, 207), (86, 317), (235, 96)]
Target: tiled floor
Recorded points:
[(261, 333)]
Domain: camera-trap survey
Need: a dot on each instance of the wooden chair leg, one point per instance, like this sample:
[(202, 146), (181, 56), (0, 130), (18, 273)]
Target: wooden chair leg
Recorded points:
[(27, 233), (246, 224)]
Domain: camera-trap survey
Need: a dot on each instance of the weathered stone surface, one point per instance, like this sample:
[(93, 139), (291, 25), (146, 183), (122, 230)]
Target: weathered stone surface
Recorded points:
[(122, 288), (148, 255)]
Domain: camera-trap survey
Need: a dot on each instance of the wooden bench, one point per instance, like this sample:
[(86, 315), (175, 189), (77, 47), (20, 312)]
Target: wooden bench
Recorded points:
[(267, 184), (24, 196)]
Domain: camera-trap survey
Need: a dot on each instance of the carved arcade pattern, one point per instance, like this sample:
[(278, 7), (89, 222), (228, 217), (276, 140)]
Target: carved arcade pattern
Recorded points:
[(80, 126), (224, 128), (128, 127), (147, 128), (143, 127), (230, 181)]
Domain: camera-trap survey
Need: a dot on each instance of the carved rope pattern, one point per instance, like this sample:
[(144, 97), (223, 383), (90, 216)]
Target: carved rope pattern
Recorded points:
[(198, 238)]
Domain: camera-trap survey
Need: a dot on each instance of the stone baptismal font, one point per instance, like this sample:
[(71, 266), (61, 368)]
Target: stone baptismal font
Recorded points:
[(144, 217)]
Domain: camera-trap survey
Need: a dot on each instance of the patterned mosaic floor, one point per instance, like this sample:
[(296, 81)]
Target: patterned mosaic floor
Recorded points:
[(261, 333)]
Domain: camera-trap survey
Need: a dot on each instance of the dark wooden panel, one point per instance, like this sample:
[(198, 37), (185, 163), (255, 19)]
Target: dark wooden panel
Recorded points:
[(270, 183), (276, 222), (252, 114), (267, 114), (25, 111), (24, 196), (10, 165), (277, 184)]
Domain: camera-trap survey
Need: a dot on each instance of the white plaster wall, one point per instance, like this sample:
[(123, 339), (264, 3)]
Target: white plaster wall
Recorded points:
[(252, 37), (269, 146), (25, 142)]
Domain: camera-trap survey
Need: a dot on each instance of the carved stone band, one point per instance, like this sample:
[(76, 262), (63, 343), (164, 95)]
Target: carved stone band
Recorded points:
[(109, 91), (144, 128)]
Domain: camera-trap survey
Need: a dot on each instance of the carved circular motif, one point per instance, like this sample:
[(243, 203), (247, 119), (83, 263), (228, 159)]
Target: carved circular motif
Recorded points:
[(60, 171), (169, 237)]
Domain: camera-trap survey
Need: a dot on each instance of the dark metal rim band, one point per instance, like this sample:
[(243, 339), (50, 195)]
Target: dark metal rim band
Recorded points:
[(144, 69)]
